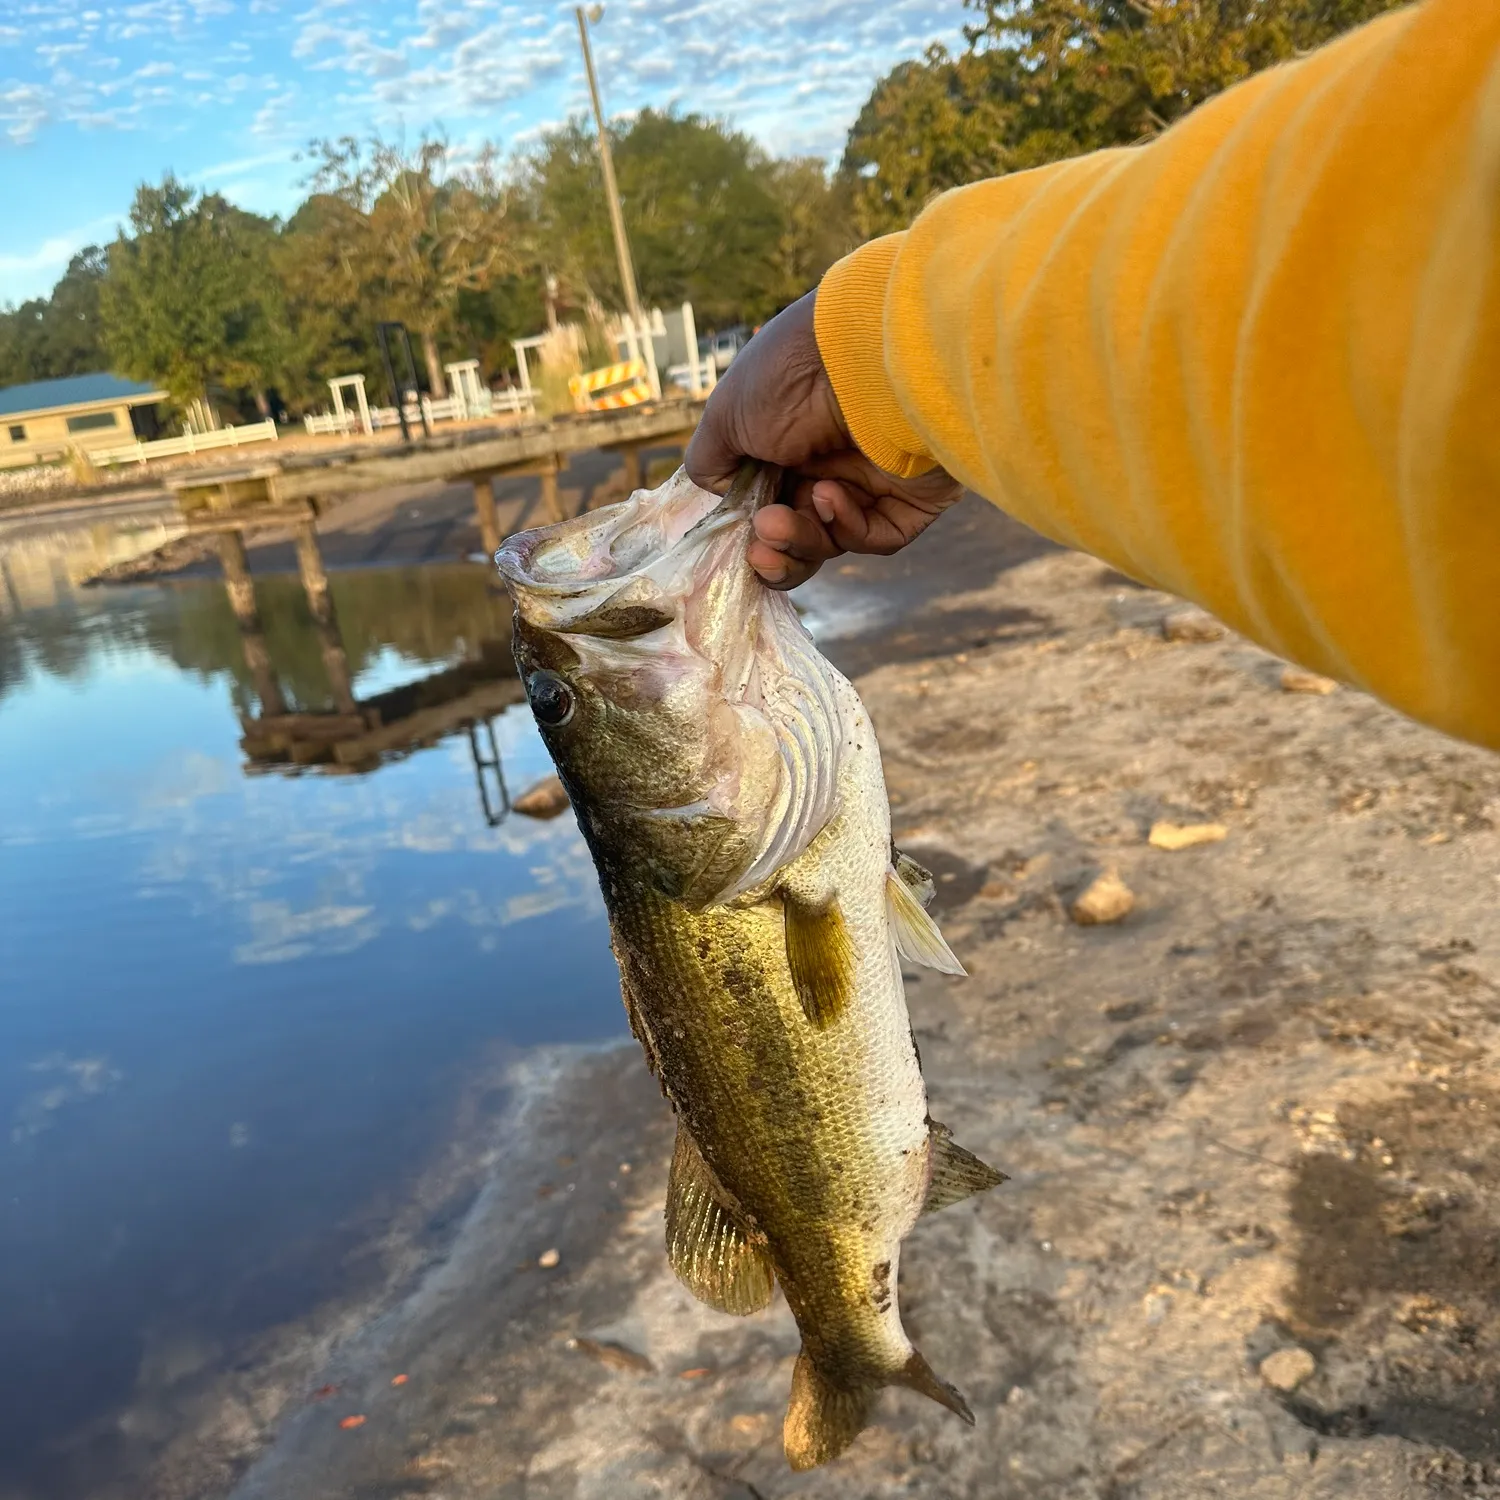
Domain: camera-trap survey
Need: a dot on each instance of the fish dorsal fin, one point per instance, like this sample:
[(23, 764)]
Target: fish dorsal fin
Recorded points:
[(713, 1256), (820, 954), (917, 936), (956, 1174)]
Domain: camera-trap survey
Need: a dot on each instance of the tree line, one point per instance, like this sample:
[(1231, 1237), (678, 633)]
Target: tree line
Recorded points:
[(199, 294)]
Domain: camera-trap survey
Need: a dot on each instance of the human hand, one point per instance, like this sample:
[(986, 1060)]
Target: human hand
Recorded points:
[(776, 404)]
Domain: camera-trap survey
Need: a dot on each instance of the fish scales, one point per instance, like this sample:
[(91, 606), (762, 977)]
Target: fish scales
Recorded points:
[(728, 783)]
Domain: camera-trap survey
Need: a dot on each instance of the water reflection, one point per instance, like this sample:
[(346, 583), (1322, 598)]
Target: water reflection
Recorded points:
[(247, 975)]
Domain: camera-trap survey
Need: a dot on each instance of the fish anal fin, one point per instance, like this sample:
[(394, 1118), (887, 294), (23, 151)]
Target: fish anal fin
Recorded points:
[(917, 936), (820, 954), (709, 1248), (822, 1417), (917, 1375), (956, 1174)]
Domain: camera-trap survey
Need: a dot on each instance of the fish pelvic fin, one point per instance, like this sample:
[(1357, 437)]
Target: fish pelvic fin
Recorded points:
[(708, 1245), (956, 1174), (917, 880), (917, 937), (820, 954), (917, 1375), (823, 1416)]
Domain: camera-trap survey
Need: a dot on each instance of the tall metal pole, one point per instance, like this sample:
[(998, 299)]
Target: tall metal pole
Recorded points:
[(611, 192)]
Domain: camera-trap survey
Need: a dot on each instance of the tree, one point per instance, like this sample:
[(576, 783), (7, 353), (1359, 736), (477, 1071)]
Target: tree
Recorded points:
[(191, 298), (817, 225), (330, 313), (930, 125), (426, 231), (702, 210), (1045, 79), (46, 338)]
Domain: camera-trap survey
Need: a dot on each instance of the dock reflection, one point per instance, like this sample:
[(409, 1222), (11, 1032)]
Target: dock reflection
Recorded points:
[(349, 734)]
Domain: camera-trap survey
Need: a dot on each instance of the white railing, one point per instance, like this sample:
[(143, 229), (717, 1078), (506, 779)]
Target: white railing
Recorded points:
[(514, 401), (450, 409), (321, 424), (189, 442)]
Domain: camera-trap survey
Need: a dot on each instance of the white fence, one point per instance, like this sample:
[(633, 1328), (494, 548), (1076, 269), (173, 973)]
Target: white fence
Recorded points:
[(450, 409), (189, 442), (321, 424)]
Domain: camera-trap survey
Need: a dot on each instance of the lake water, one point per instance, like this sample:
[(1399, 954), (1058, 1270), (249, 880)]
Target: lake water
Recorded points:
[(241, 1014)]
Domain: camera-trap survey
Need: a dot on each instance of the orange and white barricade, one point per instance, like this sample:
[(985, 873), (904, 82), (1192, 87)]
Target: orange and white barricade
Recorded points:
[(611, 387)]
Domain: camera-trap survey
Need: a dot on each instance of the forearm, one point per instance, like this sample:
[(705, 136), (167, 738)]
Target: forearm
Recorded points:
[(1256, 362)]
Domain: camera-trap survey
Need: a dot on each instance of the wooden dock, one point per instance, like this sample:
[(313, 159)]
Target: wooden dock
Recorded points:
[(272, 490)]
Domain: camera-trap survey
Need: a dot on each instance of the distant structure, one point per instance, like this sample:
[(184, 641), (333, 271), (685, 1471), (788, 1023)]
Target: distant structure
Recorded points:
[(46, 419)]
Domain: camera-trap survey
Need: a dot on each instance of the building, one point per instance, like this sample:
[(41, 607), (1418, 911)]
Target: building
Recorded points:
[(48, 418)]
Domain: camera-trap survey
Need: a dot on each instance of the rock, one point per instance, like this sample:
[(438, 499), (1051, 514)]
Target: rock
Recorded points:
[(1286, 1369), (1192, 624), (1296, 680), (616, 1356), (548, 1259), (1186, 835), (547, 799), (1106, 899)]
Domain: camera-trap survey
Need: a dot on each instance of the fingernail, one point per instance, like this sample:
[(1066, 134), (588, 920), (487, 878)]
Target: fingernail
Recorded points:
[(822, 499)]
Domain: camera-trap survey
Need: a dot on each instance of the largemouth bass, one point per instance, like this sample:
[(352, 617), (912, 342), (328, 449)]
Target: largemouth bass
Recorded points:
[(728, 783)]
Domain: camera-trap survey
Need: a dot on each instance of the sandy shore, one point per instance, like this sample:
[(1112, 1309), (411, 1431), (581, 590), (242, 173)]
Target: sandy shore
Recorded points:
[(1249, 1245)]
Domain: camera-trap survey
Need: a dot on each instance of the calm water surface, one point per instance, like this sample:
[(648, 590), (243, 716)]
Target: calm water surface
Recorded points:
[(237, 1010)]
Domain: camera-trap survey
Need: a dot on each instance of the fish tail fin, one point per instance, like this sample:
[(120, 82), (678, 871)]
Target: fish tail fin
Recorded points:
[(822, 1417), (917, 1375)]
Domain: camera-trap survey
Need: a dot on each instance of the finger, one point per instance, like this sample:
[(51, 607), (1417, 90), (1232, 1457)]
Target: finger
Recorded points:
[(779, 570), (858, 521), (799, 533)]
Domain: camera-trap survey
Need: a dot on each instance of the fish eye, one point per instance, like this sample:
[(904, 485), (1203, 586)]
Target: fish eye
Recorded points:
[(552, 700)]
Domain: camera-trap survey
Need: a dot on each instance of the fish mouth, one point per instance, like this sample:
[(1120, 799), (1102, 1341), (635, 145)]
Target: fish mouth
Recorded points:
[(638, 555)]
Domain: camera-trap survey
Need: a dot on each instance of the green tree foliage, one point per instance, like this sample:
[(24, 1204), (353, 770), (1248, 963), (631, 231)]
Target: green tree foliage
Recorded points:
[(330, 326), (191, 299), (711, 219), (49, 337), (1044, 79), (425, 232)]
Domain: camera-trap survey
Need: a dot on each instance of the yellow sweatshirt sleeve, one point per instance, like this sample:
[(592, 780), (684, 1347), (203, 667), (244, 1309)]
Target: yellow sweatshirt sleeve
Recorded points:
[(1255, 362)]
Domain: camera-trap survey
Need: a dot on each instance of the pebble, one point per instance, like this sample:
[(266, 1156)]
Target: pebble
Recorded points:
[(1286, 1369), (547, 799), (1296, 680), (548, 1258), (1186, 835), (1192, 625), (1106, 899)]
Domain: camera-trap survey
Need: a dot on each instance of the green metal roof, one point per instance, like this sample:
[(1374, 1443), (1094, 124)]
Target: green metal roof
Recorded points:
[(71, 390)]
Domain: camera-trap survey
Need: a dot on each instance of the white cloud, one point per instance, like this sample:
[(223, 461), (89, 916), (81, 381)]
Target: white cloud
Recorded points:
[(68, 1080)]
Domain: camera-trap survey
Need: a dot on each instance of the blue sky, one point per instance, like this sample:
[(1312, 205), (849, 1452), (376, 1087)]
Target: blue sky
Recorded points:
[(97, 95)]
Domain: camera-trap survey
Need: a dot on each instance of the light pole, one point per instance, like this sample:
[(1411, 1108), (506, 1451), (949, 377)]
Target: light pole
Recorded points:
[(612, 195)]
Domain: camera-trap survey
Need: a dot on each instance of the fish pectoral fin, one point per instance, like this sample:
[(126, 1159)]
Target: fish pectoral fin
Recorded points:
[(956, 1174), (711, 1252), (917, 936), (822, 1417), (820, 954)]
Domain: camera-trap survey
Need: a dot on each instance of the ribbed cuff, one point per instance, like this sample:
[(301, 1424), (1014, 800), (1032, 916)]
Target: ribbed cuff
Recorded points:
[(849, 322)]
